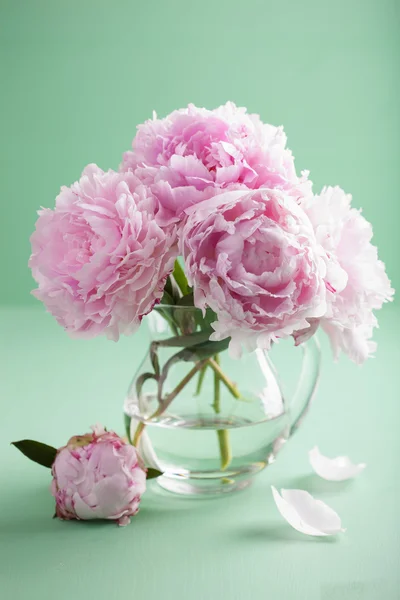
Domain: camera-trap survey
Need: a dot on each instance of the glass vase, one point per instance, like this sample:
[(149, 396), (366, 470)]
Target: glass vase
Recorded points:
[(207, 421)]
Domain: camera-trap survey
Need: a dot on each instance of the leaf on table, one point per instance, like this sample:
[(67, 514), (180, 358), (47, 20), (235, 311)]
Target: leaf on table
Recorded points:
[(37, 451), (334, 469), (306, 514)]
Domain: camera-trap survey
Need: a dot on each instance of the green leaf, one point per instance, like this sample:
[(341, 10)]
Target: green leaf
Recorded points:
[(40, 453), (127, 423), (205, 322), (186, 300), (168, 290), (153, 473), (167, 299), (184, 341), (191, 353), (154, 360), (172, 289), (205, 350), (186, 320), (180, 278)]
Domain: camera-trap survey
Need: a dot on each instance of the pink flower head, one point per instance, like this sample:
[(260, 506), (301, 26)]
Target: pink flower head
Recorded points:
[(356, 280), (196, 153), (98, 476), (252, 257), (100, 259)]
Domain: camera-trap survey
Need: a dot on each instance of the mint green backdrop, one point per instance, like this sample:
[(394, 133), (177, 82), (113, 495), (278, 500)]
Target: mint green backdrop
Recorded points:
[(78, 76)]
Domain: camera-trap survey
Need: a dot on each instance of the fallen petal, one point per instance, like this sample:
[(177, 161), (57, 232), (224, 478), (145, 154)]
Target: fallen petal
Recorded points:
[(306, 514), (334, 469)]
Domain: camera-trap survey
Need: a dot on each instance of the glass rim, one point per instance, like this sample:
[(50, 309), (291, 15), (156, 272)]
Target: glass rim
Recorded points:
[(176, 307)]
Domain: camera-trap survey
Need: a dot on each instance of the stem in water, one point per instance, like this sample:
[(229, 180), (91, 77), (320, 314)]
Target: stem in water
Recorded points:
[(222, 434), (164, 405)]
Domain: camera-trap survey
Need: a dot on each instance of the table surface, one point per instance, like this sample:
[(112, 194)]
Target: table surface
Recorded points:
[(236, 547)]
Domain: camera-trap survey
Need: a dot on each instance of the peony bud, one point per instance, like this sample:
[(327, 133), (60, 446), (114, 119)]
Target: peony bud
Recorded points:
[(98, 476)]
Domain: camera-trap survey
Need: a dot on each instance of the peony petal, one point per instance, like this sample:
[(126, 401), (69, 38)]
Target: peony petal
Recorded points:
[(334, 469), (301, 336), (98, 429), (100, 258), (355, 278), (112, 495), (306, 514), (123, 521), (254, 257), (82, 510)]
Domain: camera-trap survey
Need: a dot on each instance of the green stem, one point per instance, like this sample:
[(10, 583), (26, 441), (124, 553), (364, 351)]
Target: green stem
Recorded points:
[(222, 434), (200, 380), (138, 433), (219, 376), (214, 364), (217, 391), (164, 405)]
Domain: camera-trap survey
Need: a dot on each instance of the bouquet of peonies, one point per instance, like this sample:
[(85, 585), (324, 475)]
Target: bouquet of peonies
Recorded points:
[(207, 211), (219, 188)]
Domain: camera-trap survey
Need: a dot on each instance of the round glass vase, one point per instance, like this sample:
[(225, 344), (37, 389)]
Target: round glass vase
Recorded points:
[(207, 421)]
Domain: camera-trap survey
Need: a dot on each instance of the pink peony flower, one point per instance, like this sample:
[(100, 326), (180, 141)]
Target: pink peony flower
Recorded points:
[(195, 153), (356, 280), (252, 257), (98, 476), (100, 259)]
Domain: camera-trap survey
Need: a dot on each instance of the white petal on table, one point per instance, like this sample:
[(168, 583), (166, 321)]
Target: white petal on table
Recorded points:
[(306, 514), (334, 469)]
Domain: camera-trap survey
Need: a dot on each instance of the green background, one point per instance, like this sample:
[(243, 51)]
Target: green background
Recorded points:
[(76, 78)]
